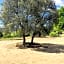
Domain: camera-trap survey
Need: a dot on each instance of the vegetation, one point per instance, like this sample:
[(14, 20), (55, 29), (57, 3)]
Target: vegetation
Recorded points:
[(28, 15), (59, 27), (12, 20), (24, 17)]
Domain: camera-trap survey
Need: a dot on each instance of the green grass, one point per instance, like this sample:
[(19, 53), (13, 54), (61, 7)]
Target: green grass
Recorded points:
[(14, 38)]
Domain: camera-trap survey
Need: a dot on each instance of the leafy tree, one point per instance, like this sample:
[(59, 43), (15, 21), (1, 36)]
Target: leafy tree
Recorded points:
[(59, 27), (42, 12), (9, 16), (61, 18)]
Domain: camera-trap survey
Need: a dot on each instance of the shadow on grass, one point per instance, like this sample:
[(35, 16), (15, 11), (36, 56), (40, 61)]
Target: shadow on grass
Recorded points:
[(45, 47)]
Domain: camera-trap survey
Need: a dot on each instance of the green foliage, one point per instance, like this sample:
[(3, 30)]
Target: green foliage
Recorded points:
[(56, 31), (17, 33), (54, 34), (59, 27), (6, 35), (61, 18), (16, 11), (61, 22)]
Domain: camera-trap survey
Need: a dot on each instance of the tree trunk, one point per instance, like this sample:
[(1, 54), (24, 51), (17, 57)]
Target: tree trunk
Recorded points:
[(38, 32), (24, 39), (32, 38)]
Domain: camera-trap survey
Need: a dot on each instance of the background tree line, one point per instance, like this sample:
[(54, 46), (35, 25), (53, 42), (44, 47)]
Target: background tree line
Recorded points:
[(58, 28)]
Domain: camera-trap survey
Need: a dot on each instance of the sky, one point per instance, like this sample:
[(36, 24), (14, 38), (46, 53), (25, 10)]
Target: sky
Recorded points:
[(1, 23), (59, 3), (1, 1)]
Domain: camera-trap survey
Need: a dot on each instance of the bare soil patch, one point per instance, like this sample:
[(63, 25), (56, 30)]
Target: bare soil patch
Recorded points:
[(51, 51)]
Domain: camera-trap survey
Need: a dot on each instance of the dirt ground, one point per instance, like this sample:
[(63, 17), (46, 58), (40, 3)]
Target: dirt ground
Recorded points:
[(10, 54)]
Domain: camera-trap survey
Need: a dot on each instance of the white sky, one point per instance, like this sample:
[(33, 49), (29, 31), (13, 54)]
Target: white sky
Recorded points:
[(59, 2)]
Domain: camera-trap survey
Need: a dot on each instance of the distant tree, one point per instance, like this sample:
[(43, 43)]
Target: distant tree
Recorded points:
[(61, 18), (8, 15)]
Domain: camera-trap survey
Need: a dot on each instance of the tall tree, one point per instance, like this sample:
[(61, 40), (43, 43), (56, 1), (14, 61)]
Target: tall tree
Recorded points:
[(18, 11)]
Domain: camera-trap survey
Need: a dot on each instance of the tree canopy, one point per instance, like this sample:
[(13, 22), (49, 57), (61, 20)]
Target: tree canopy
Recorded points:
[(29, 13)]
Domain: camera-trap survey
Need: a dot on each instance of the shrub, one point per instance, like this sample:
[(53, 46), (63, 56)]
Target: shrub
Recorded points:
[(56, 31), (6, 35), (54, 34)]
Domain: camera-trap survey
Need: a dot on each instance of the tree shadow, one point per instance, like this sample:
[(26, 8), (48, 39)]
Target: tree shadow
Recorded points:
[(50, 48), (45, 47), (28, 45)]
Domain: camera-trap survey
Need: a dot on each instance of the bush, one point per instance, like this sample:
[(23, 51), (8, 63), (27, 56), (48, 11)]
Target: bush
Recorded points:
[(6, 35), (13, 34), (54, 34), (17, 33), (56, 31)]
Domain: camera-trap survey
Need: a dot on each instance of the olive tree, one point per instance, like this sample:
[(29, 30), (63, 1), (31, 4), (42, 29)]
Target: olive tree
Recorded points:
[(32, 15)]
